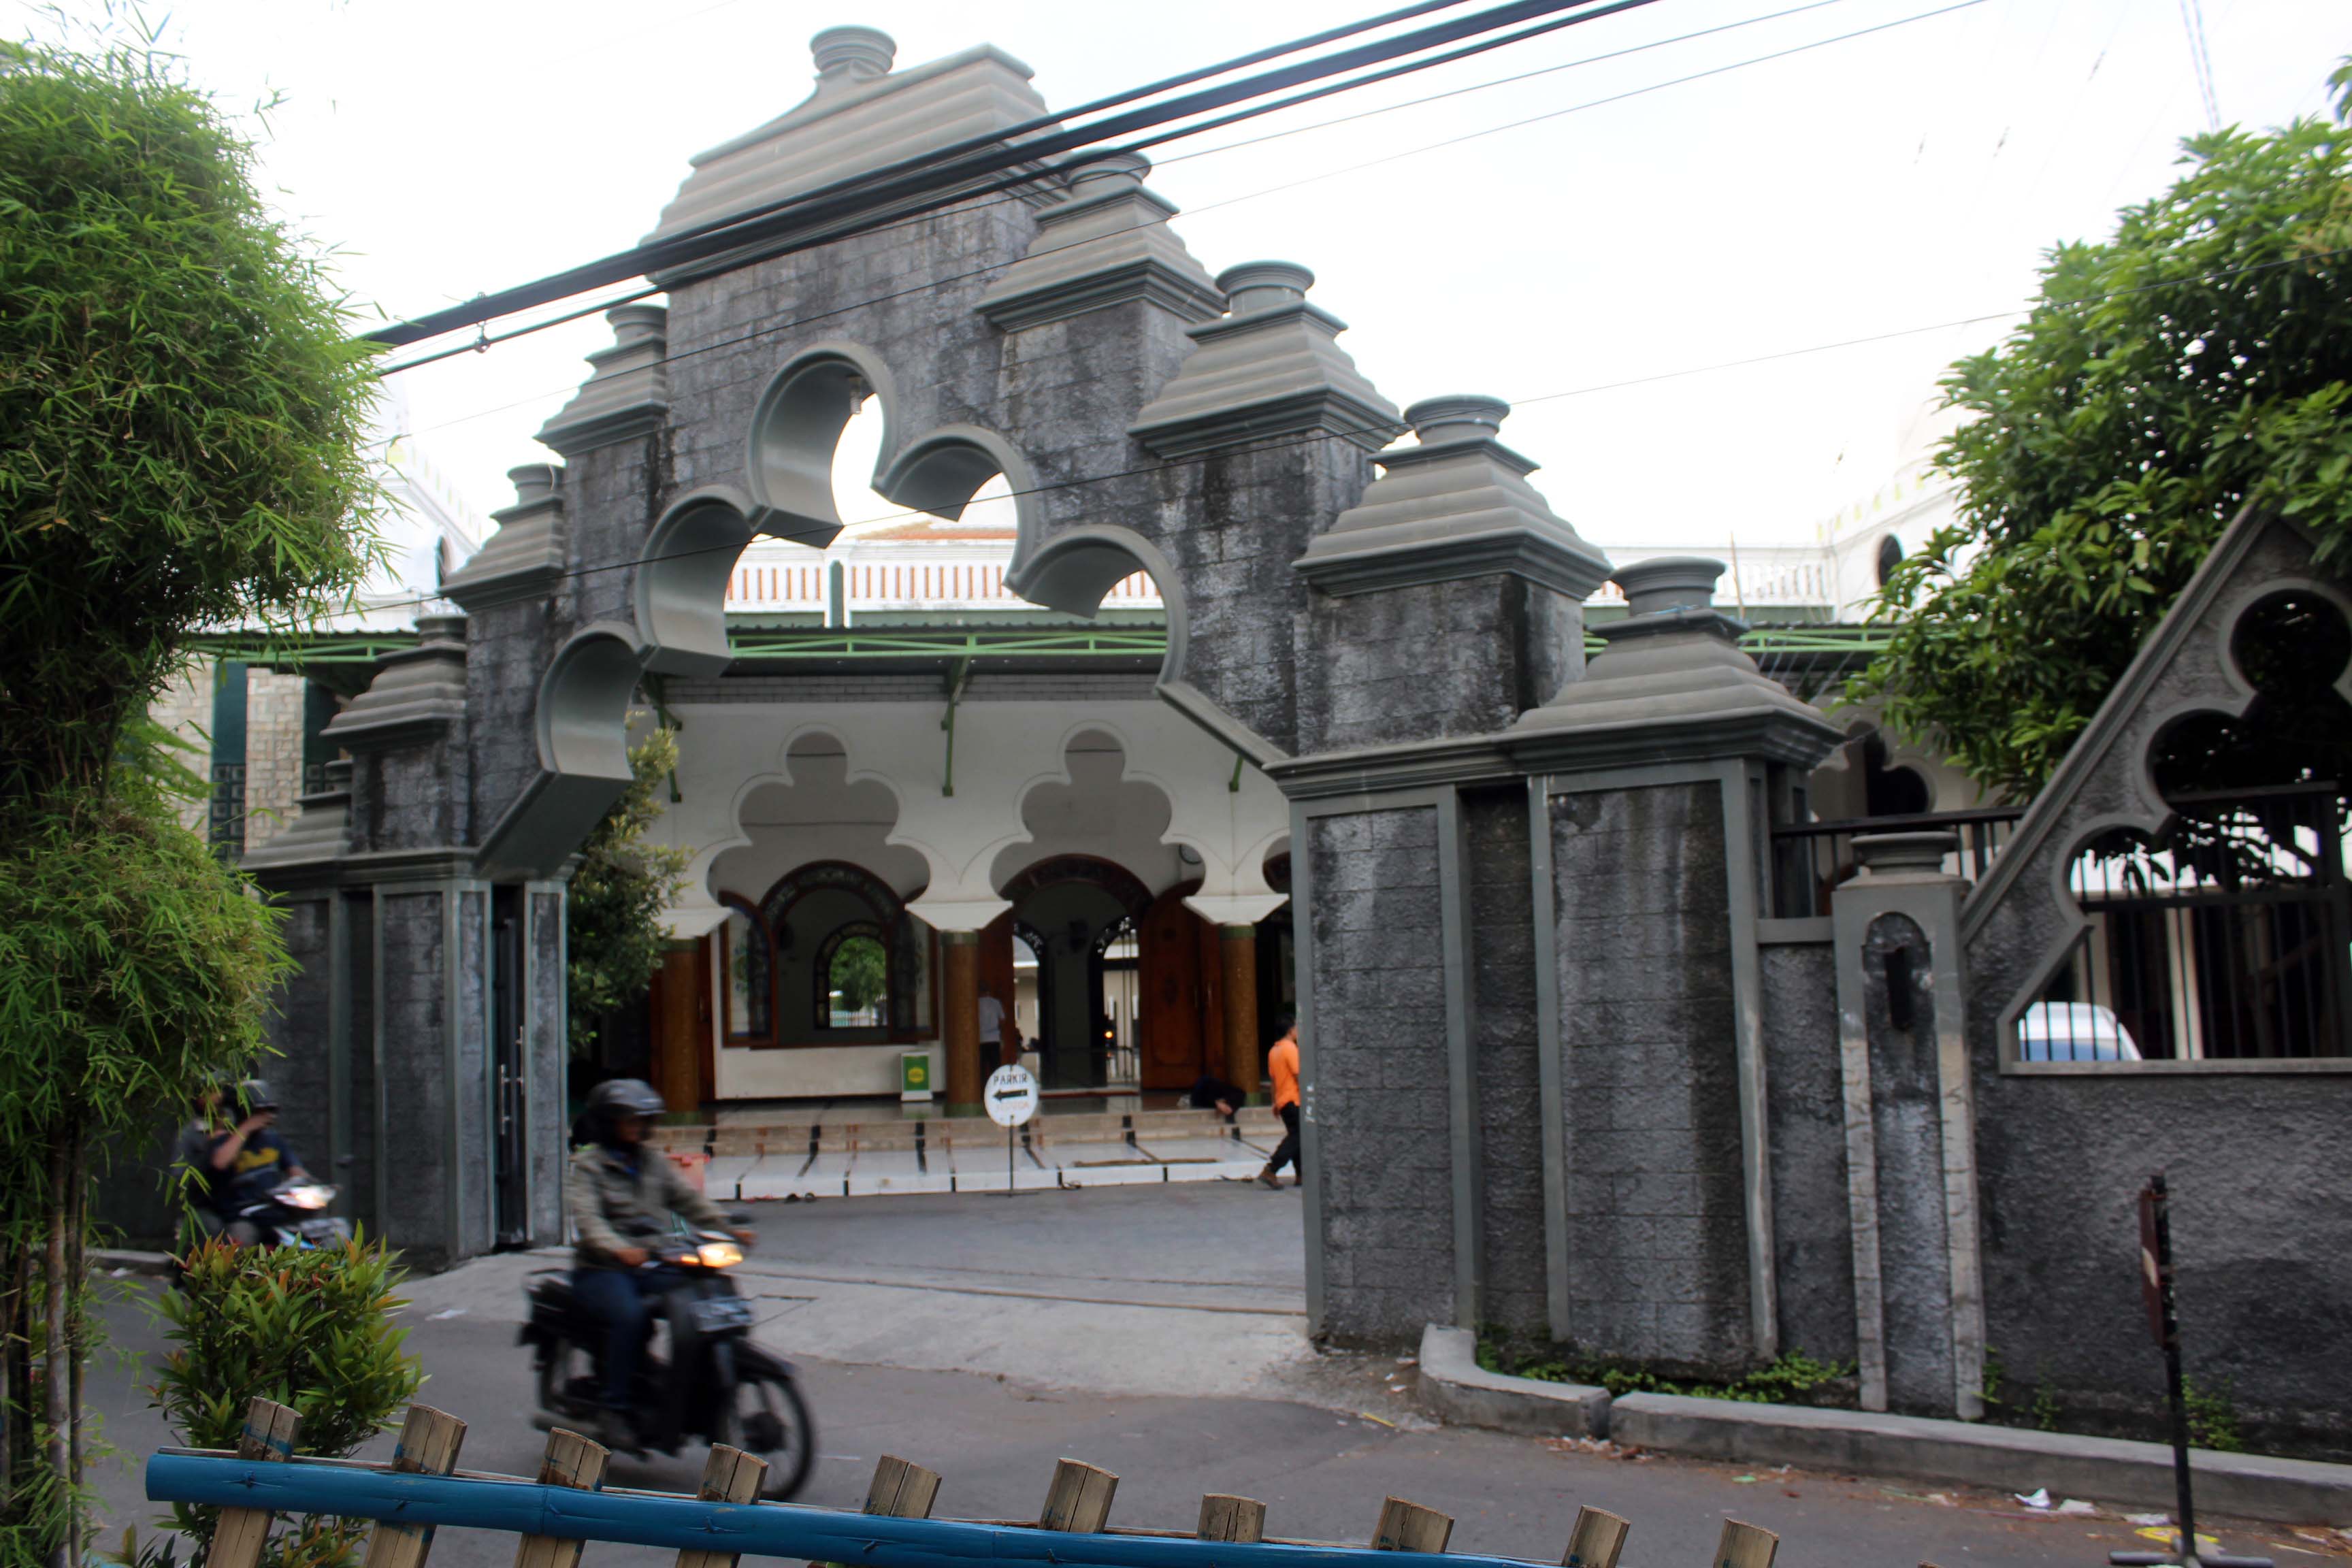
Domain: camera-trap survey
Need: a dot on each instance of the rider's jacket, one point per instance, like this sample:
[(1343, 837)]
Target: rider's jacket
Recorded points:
[(613, 1206)]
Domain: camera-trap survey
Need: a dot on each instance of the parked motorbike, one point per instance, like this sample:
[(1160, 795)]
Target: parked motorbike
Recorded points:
[(294, 1213), (716, 1384)]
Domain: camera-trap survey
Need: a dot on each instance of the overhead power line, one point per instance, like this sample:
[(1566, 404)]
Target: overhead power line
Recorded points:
[(770, 327), (938, 179), (1342, 433)]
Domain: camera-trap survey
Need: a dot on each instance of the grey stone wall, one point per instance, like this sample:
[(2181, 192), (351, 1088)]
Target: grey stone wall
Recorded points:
[(550, 1140), (299, 1029), (1504, 1050), (507, 648), (420, 1189), (1379, 1077), (1813, 1249), (1463, 658), (1657, 1230), (470, 1074), (364, 1180)]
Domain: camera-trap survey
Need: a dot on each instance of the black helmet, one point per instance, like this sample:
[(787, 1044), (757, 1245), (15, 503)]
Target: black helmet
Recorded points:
[(620, 1097), (254, 1093)]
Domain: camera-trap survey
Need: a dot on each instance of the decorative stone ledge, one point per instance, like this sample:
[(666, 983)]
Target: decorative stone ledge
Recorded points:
[(524, 558)]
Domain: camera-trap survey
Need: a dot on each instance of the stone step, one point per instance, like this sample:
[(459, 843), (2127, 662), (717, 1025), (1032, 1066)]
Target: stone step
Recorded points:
[(787, 1134)]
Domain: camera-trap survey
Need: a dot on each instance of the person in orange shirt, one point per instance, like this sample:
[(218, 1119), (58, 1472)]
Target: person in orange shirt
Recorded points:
[(1282, 1063)]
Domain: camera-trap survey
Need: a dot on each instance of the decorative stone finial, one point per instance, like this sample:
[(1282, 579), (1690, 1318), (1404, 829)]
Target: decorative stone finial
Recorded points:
[(1254, 286), (634, 324), (1668, 582), (1905, 854), (534, 482), (441, 629), (1456, 416), (1087, 176), (853, 54)]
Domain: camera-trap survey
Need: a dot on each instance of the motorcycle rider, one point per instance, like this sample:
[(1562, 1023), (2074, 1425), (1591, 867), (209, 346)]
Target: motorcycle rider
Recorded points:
[(620, 1194), (244, 1161)]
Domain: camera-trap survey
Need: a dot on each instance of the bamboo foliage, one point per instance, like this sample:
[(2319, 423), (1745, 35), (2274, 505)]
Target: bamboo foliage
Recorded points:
[(183, 423)]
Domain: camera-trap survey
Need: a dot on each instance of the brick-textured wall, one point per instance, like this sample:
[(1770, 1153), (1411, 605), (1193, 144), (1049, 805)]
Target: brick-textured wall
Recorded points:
[(273, 753), (186, 710), (1813, 1251), (1657, 1230), (1379, 1092), (1503, 1015)]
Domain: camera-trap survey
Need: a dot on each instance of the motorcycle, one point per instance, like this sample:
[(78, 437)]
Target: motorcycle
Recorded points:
[(716, 1384), (294, 1213)]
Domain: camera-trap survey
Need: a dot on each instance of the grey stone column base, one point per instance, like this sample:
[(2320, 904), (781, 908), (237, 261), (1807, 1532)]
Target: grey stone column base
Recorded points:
[(2106, 1470)]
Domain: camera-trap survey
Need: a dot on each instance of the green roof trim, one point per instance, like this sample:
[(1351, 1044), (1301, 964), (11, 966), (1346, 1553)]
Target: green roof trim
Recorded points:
[(333, 654)]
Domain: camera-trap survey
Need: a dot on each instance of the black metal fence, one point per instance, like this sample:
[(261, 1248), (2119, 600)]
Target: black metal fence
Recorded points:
[(2224, 938), (1811, 859)]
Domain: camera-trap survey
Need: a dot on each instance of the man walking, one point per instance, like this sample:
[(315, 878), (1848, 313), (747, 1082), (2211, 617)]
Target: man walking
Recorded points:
[(1282, 1063)]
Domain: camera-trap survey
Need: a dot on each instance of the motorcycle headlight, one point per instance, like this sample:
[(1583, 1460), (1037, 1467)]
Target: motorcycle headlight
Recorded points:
[(304, 1197), (719, 1253)]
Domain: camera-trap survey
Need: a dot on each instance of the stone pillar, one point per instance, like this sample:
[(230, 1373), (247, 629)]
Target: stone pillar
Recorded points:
[(1910, 1128), (959, 1019), (1653, 785), (1237, 947)]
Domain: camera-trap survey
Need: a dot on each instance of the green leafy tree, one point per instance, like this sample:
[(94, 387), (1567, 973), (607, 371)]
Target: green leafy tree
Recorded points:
[(182, 416), (860, 972), (613, 914), (2198, 361)]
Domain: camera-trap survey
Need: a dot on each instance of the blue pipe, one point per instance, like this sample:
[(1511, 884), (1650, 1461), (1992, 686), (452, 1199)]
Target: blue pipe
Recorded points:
[(763, 1530)]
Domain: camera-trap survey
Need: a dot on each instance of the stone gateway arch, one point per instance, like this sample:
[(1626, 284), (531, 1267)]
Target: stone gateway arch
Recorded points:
[(1567, 1068)]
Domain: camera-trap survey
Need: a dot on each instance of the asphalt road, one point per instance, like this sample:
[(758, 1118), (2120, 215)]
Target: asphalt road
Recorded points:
[(1157, 1331)]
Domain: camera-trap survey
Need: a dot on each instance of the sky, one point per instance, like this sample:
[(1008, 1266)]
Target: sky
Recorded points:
[(1599, 268)]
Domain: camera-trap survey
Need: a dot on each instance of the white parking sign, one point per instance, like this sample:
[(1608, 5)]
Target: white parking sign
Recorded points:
[(1011, 1095)]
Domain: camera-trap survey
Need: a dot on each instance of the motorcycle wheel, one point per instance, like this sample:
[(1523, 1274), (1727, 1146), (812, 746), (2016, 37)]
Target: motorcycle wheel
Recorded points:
[(767, 1417), (560, 1366)]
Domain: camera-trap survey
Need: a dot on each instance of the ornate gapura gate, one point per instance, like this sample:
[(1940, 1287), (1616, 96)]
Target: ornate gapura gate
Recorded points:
[(1570, 1069)]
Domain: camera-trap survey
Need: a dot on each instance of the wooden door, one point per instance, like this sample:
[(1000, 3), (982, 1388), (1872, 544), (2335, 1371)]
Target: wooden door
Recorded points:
[(1171, 1015)]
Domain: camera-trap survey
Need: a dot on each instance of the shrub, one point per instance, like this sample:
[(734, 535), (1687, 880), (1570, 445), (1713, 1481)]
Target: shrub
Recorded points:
[(310, 1329)]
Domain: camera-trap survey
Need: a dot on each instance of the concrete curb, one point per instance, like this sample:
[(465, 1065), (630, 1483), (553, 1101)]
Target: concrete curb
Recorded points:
[(1456, 1388), (2109, 1469)]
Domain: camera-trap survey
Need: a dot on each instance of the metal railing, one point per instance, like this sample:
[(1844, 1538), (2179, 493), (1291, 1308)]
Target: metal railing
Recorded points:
[(1811, 859), (2224, 938)]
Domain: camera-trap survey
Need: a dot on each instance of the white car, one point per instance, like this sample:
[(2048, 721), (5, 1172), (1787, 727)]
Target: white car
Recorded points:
[(2074, 1032)]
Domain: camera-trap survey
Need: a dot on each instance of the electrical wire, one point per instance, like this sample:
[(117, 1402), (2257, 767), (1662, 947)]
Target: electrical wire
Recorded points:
[(930, 174), (1344, 433), (770, 327), (486, 340)]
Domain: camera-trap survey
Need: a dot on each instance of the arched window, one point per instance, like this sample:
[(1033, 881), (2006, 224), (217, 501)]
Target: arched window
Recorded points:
[(854, 978), (748, 982), (1890, 556)]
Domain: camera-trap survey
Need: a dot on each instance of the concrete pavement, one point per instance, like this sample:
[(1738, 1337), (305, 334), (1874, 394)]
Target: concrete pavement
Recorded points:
[(1158, 1331)]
